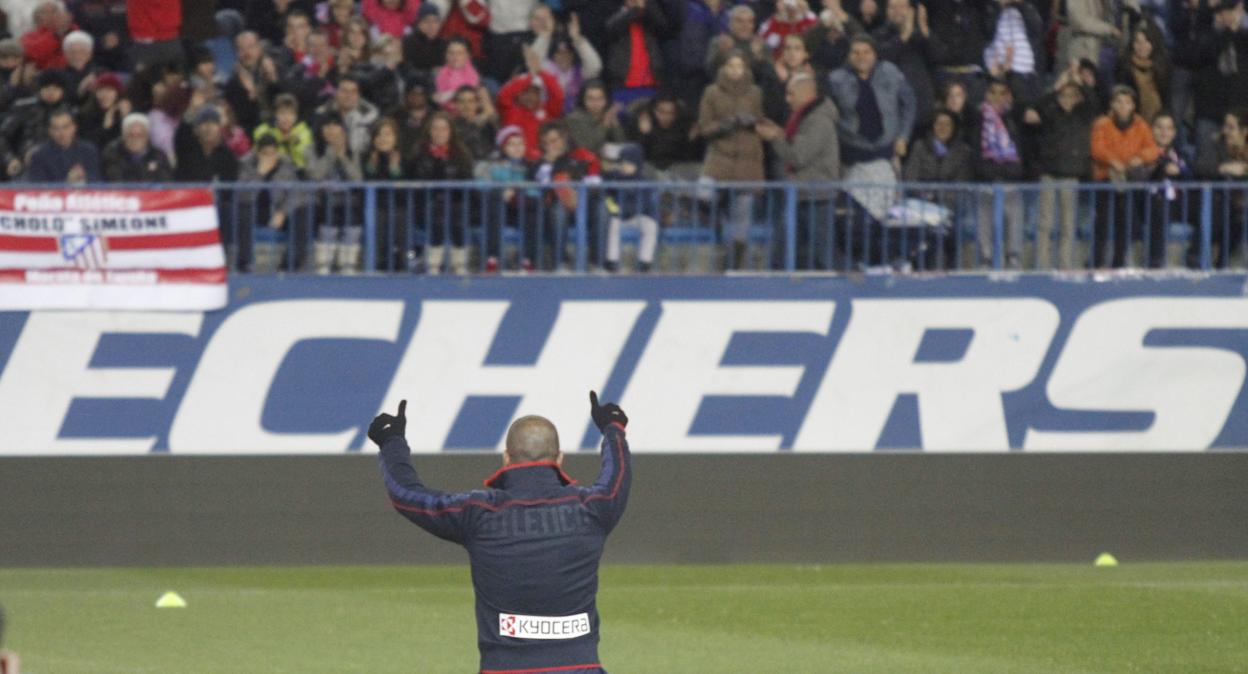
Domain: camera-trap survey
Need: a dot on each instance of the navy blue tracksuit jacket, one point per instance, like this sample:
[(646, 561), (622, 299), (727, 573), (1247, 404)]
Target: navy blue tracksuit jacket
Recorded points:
[(534, 539)]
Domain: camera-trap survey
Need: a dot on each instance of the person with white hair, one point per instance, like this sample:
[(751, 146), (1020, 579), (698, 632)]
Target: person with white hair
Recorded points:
[(131, 158), (42, 43), (80, 69)]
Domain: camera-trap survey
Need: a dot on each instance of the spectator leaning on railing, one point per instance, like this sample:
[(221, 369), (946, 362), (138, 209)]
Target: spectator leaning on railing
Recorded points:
[(876, 111), (999, 159), (1123, 150), (1064, 119), (730, 109), (338, 221), (1225, 158), (441, 156), (807, 147)]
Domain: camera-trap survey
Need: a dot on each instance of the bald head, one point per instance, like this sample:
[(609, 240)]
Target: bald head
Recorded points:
[(532, 438)]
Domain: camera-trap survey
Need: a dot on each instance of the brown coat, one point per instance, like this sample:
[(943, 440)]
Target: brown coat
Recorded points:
[(734, 150)]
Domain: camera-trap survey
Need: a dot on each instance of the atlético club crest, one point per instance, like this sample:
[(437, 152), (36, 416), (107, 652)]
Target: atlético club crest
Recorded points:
[(84, 251)]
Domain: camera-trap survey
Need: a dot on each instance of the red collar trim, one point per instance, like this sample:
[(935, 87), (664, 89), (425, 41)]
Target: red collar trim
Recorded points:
[(489, 481)]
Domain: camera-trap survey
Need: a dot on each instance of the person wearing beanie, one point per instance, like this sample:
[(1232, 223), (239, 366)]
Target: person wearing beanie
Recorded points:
[(26, 125), (508, 206), (199, 146), (425, 48), (132, 159), (99, 119), (10, 57)]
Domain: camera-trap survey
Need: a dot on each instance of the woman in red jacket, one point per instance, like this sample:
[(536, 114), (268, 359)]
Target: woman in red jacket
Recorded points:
[(1123, 150)]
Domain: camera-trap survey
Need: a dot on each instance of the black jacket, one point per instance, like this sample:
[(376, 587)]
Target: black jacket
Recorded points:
[(120, 166), (51, 163), (1066, 137), (194, 166), (913, 57), (655, 24), (534, 540), (422, 53), (962, 29), (1217, 88)]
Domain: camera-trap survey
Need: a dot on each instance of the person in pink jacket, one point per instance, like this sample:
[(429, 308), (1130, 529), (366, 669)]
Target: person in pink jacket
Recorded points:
[(391, 17), (458, 72)]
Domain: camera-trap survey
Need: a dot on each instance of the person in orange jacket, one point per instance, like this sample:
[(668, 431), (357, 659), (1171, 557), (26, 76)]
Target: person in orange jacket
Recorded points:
[(1123, 151)]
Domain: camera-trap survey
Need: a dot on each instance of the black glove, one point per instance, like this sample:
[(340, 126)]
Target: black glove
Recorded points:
[(605, 414), (385, 426)]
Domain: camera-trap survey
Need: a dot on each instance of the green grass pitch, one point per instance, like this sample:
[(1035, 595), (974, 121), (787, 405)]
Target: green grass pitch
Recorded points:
[(656, 619)]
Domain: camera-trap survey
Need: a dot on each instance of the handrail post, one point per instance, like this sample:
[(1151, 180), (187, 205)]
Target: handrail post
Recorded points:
[(1206, 227), (790, 227), (582, 239), (370, 227), (998, 226)]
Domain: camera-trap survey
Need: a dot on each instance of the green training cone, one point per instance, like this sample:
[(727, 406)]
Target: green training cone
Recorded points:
[(1105, 559), (171, 600)]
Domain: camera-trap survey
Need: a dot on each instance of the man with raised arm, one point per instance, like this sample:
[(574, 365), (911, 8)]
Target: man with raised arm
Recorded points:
[(534, 538)]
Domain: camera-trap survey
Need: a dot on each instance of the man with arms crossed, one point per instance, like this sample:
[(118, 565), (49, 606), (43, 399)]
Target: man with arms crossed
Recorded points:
[(534, 539)]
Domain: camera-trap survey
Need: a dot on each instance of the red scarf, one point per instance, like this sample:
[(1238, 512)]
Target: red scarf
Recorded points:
[(439, 151), (795, 120), (639, 74)]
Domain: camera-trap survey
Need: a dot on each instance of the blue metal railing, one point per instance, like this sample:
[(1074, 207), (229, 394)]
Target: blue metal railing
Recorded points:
[(697, 227)]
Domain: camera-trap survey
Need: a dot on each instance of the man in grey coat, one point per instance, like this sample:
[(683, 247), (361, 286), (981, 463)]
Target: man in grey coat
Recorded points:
[(808, 148)]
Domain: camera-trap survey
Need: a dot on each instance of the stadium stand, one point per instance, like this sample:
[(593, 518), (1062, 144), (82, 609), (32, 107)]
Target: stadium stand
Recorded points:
[(944, 134)]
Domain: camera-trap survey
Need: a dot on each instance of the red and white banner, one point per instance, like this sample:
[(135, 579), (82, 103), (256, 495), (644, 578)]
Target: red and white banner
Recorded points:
[(110, 249)]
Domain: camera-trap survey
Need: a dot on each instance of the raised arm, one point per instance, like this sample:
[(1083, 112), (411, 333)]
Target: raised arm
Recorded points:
[(608, 496), (442, 514)]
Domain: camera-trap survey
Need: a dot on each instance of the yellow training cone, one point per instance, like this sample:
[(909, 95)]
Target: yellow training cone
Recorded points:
[(1105, 559), (171, 600)]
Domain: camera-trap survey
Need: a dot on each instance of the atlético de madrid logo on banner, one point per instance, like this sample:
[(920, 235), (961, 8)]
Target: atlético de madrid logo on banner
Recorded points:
[(84, 251)]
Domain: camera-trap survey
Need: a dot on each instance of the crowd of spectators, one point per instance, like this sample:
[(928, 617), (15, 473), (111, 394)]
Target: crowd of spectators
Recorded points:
[(866, 92)]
